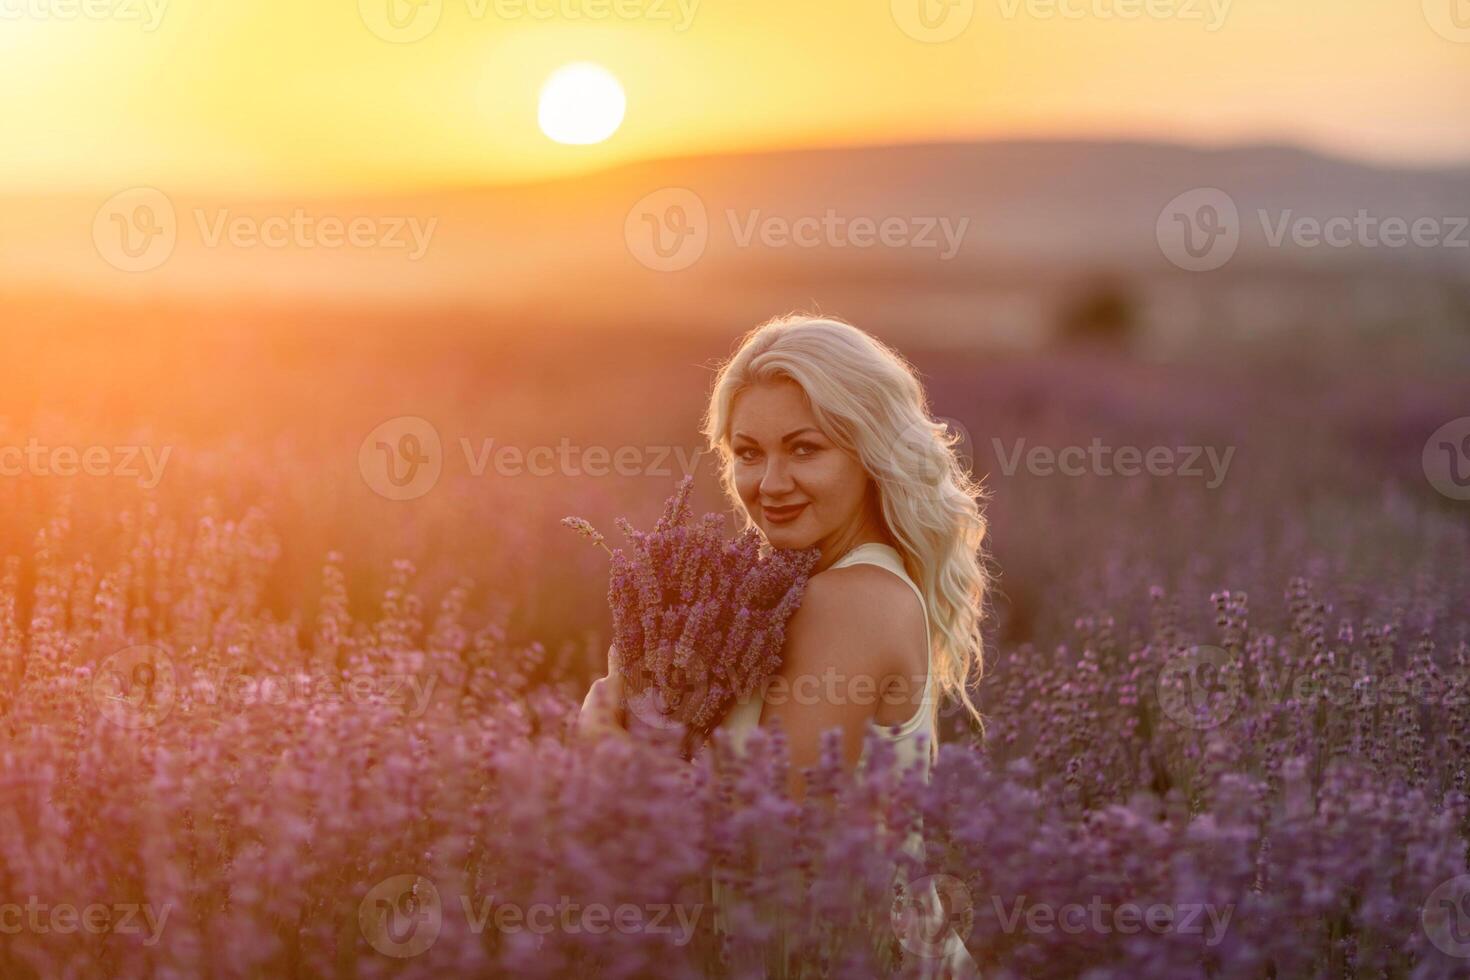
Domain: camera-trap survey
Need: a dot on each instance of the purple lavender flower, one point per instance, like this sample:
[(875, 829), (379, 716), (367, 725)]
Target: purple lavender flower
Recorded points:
[(697, 619)]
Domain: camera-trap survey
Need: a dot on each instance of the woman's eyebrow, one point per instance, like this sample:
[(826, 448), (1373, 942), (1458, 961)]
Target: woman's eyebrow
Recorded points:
[(786, 438)]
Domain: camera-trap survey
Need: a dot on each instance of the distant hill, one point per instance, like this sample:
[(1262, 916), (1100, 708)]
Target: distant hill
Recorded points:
[(945, 224)]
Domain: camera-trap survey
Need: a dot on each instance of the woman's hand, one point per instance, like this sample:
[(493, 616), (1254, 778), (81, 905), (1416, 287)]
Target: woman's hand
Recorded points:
[(602, 709)]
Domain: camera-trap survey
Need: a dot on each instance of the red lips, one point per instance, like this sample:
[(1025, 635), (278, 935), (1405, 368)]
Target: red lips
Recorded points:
[(782, 514)]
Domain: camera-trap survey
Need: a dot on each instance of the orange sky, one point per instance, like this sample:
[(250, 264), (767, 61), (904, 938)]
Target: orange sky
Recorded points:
[(282, 95)]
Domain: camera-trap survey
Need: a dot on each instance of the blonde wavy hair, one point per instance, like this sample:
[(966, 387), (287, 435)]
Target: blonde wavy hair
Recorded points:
[(868, 399)]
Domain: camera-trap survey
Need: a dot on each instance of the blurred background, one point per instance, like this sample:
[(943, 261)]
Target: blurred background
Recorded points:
[(415, 279)]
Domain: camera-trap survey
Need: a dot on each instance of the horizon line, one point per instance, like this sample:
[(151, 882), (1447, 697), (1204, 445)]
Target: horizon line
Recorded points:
[(1458, 167)]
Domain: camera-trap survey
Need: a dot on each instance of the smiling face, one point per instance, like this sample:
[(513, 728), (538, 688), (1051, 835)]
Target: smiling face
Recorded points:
[(798, 486)]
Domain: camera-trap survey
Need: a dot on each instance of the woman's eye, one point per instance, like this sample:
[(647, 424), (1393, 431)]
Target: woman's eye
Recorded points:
[(801, 449)]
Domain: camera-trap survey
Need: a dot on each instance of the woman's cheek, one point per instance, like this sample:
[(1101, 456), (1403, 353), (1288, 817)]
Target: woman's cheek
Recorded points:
[(818, 478), (747, 489)]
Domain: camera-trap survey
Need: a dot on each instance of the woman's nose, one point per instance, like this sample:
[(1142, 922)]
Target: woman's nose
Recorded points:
[(776, 480)]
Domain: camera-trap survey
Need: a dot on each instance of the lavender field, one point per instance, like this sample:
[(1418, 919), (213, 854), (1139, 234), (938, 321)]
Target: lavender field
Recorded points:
[(276, 700)]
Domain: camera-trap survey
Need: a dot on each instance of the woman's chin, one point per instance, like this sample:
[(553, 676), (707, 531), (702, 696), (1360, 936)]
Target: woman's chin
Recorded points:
[(790, 538)]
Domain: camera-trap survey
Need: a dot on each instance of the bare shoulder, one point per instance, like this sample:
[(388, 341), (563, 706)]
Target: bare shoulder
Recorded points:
[(859, 618)]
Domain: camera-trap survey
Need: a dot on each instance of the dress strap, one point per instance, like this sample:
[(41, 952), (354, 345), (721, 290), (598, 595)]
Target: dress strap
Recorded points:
[(887, 556)]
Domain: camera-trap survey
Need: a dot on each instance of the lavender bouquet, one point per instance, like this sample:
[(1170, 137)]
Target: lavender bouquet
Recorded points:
[(698, 621)]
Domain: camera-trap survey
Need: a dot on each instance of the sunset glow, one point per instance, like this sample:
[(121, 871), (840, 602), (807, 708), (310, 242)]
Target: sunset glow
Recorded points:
[(581, 104), (176, 92)]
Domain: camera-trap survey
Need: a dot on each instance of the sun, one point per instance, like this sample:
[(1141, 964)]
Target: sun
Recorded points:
[(581, 103)]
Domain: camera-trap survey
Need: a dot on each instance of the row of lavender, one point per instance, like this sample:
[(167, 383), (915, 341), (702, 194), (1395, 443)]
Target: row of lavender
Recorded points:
[(191, 783)]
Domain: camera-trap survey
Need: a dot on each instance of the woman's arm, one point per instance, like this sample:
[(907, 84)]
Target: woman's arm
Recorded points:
[(602, 709), (839, 647)]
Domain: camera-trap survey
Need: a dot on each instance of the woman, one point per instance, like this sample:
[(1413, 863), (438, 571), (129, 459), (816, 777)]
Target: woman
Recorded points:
[(825, 440)]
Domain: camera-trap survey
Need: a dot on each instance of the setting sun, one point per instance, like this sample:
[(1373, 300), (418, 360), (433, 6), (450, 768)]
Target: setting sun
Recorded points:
[(581, 103)]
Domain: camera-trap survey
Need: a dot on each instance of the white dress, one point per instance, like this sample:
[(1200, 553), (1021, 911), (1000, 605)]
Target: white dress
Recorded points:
[(915, 742)]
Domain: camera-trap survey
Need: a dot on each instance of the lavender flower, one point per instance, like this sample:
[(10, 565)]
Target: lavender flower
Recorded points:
[(697, 620)]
